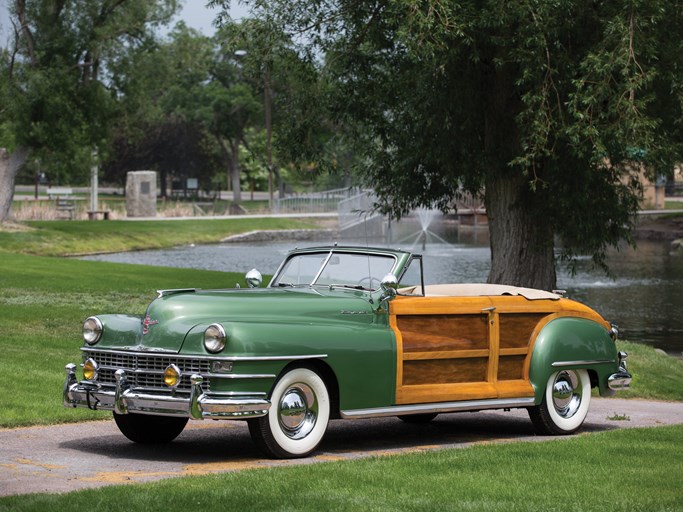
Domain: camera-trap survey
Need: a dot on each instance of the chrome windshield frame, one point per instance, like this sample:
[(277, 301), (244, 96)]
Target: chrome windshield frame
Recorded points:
[(329, 252)]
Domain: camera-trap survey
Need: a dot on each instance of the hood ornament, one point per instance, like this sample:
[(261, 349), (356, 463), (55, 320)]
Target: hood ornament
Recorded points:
[(146, 323)]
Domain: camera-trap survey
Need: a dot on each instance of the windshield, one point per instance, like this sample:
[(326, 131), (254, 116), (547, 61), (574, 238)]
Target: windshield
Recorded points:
[(360, 271)]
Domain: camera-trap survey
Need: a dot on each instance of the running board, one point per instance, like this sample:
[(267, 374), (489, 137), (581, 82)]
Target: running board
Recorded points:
[(441, 407)]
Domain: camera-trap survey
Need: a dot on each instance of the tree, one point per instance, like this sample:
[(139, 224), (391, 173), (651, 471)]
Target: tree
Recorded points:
[(162, 110), (202, 86), (298, 129), (548, 108), (58, 104)]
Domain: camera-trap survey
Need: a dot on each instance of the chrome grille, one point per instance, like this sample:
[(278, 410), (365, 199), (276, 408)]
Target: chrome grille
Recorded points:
[(147, 370)]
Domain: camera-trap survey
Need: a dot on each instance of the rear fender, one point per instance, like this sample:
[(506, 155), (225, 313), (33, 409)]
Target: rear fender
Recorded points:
[(572, 343)]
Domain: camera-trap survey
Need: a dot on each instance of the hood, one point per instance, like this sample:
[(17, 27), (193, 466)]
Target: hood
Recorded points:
[(169, 318)]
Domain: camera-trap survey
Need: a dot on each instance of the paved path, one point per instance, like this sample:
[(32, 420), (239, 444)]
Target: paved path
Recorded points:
[(64, 458)]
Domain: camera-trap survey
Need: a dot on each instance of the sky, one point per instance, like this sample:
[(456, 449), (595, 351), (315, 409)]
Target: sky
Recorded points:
[(194, 13)]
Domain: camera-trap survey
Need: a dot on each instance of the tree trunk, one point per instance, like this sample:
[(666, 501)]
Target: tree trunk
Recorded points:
[(10, 165), (522, 245)]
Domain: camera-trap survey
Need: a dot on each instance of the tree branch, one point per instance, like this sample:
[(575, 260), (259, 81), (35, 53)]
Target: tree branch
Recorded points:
[(20, 6)]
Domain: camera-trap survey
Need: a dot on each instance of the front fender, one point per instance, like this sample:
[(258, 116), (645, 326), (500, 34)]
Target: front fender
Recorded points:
[(577, 343), (362, 356)]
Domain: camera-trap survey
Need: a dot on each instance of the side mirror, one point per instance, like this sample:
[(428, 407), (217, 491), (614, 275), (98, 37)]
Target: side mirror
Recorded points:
[(253, 278), (389, 287)]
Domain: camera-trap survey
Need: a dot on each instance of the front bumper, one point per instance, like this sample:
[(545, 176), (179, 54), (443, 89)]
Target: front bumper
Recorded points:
[(124, 399)]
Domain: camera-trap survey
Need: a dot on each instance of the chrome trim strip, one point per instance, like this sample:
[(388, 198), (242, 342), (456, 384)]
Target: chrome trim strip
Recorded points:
[(237, 393), (273, 358), (469, 405), (173, 291), (563, 364), (138, 371), (241, 375), (321, 269), (207, 358)]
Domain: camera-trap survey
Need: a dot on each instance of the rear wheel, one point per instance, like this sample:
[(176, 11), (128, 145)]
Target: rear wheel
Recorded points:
[(145, 429), (298, 416), (565, 403)]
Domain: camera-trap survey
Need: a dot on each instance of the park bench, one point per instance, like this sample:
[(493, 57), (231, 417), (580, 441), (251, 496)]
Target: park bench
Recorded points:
[(93, 214), (64, 200)]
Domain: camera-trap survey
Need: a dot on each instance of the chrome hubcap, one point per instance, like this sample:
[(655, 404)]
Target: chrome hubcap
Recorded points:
[(298, 411), (567, 391)]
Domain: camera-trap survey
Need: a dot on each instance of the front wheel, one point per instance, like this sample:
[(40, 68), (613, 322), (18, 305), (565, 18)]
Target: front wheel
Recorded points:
[(565, 403), (145, 429), (298, 416)]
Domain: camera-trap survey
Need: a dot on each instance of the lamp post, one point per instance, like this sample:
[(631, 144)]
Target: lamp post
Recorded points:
[(94, 182), (269, 134), (267, 107)]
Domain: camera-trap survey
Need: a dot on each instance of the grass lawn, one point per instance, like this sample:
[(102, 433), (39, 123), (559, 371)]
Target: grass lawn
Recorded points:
[(625, 470), (64, 238), (673, 205)]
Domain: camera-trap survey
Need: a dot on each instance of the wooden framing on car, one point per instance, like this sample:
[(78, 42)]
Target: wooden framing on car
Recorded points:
[(469, 348)]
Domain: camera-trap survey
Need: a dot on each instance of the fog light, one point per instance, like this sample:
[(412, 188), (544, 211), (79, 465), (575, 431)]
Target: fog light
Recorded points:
[(91, 369), (172, 376)]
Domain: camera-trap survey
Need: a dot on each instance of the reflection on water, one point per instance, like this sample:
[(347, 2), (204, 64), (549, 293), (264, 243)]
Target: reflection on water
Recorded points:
[(645, 297)]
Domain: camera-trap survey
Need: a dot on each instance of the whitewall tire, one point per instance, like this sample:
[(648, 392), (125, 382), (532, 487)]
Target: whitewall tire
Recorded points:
[(565, 403), (298, 416)]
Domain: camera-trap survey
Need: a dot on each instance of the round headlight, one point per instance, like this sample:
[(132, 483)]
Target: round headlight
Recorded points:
[(90, 369), (172, 376), (214, 338), (92, 330)]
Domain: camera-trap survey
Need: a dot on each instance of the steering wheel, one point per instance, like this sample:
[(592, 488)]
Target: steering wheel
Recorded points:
[(371, 281)]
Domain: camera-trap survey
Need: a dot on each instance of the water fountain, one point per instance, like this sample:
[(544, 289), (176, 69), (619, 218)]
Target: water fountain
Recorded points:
[(426, 217)]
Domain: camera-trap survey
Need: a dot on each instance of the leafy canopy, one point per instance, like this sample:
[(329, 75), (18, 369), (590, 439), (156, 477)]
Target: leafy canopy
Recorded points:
[(558, 104)]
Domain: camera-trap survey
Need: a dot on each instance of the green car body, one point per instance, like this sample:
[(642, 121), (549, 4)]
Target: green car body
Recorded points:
[(343, 332)]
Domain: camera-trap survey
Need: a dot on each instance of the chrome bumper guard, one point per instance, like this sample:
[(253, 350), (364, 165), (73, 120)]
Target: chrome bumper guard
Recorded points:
[(621, 379), (123, 400)]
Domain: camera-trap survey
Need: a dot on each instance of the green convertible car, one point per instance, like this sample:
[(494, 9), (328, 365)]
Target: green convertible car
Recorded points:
[(343, 332)]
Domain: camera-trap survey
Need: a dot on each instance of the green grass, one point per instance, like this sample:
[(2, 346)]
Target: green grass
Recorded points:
[(625, 470), (655, 376), (673, 205), (63, 238)]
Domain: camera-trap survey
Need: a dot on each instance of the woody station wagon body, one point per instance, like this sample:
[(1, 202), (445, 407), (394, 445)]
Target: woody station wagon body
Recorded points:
[(344, 332)]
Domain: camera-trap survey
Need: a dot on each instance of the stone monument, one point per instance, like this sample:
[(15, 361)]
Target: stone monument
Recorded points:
[(141, 194)]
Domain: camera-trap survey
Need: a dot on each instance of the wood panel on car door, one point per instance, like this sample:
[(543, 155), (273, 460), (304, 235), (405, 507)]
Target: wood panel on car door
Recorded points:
[(451, 349)]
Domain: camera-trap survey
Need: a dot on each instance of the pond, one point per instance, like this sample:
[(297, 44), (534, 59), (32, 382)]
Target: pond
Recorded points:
[(644, 297)]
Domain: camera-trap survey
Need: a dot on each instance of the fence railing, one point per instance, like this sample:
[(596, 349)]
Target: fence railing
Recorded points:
[(357, 209), (355, 205), (313, 202)]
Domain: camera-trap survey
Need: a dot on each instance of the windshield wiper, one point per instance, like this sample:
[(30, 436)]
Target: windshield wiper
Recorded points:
[(351, 286), (285, 285)]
